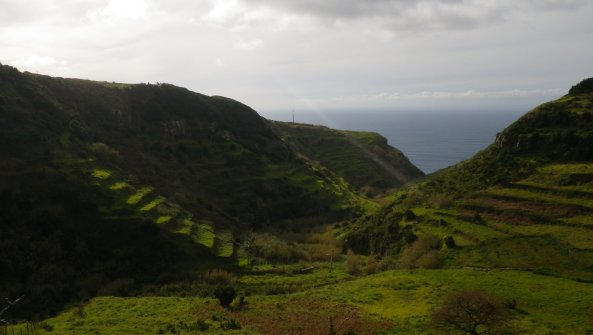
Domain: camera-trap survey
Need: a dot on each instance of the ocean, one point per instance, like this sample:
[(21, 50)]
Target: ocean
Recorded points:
[(431, 139)]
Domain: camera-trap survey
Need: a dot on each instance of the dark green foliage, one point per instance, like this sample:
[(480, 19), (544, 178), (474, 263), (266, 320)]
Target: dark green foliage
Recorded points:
[(409, 215), (450, 242), (230, 324), (55, 245), (63, 238), (380, 233), (585, 86), (473, 313), (225, 295)]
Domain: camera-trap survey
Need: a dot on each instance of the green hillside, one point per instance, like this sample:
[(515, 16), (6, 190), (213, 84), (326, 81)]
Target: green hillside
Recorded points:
[(111, 188), (363, 159), (150, 209), (525, 202)]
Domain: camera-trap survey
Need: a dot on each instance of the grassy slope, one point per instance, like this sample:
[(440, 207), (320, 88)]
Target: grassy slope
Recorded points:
[(363, 159), (398, 302), (525, 202)]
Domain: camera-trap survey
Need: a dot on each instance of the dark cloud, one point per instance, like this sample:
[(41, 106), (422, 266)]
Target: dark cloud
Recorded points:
[(416, 15)]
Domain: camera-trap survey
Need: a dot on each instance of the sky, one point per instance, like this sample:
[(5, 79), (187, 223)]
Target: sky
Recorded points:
[(313, 54)]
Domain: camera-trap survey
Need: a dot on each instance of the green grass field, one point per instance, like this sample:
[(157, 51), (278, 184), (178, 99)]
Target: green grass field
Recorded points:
[(396, 302)]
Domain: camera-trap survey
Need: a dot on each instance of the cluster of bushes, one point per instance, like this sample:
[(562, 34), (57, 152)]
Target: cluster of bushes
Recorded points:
[(423, 253), (199, 325), (271, 249)]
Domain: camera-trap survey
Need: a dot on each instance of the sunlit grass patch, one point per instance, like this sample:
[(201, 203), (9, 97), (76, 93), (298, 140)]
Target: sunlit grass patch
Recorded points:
[(202, 234), (119, 186), (184, 227), (163, 219), (149, 206), (140, 193), (223, 245), (101, 174)]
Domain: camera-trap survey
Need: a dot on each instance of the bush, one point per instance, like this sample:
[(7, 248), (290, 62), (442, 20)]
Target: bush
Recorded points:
[(409, 215), (104, 152), (219, 277), (371, 266), (230, 324), (421, 253), (442, 200), (352, 262), (429, 260), (225, 295), (450, 242), (238, 302)]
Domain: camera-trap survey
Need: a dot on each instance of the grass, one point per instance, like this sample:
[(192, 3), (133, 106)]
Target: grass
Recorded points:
[(120, 185), (224, 244), (399, 302), (203, 234), (580, 238), (140, 193), (152, 204), (540, 197), (163, 219), (101, 174)]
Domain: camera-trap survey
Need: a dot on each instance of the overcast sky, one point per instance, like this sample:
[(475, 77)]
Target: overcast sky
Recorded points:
[(313, 54)]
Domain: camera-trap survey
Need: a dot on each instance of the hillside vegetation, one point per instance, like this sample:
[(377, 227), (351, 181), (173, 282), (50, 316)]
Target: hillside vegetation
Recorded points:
[(133, 209), (363, 159), (111, 188), (525, 202)]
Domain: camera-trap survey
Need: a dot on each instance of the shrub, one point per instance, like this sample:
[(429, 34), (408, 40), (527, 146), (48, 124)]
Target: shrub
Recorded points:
[(238, 302), (104, 152), (450, 242), (430, 260), (230, 324), (371, 266), (442, 200), (225, 295), (421, 253), (219, 277), (352, 262), (409, 215)]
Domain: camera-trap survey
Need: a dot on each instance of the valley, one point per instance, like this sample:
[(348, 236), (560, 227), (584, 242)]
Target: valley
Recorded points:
[(151, 209)]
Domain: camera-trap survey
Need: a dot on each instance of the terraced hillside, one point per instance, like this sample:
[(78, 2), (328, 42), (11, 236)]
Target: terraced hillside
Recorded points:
[(525, 202)]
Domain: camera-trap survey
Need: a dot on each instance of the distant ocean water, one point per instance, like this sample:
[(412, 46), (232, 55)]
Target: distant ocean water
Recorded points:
[(432, 140)]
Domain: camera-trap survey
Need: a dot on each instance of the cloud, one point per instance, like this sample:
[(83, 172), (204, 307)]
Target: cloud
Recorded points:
[(121, 9), (248, 45), (411, 15), (34, 62)]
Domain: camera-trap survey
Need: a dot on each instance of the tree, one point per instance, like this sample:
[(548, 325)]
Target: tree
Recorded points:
[(225, 295), (472, 312), (450, 242)]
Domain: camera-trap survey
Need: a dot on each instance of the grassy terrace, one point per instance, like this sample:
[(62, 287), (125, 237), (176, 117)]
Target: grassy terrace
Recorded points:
[(147, 203)]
